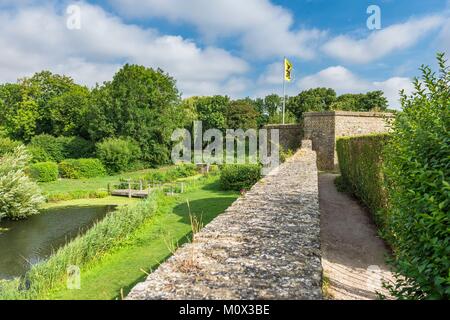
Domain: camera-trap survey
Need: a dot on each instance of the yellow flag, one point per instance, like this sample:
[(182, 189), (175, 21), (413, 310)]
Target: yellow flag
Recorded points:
[(287, 70)]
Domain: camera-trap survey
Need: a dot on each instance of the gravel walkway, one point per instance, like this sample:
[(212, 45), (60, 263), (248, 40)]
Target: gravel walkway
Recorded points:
[(353, 255)]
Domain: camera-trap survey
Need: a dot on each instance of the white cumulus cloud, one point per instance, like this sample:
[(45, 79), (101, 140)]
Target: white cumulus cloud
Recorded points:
[(263, 29), (383, 42), (36, 38)]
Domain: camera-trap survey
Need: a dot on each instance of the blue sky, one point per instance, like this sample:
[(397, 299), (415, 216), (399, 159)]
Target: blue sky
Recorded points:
[(229, 47)]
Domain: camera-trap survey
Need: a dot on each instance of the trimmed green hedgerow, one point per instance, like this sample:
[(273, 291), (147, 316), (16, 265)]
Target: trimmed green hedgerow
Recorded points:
[(239, 177), (45, 147), (361, 165), (81, 168)]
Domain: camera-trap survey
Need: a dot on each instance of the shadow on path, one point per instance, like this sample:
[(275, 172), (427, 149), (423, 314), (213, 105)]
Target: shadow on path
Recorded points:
[(353, 255)]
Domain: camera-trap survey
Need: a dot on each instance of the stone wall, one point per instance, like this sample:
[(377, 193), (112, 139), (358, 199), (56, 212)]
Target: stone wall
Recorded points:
[(324, 127), (290, 135), (265, 246), (320, 129)]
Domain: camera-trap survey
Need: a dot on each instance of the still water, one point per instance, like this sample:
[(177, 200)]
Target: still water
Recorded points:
[(33, 240)]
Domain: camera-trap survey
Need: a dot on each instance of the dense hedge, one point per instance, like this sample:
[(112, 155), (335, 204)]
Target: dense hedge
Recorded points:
[(48, 148), (239, 177), (44, 171), (360, 162), (417, 170), (81, 168), (77, 147), (38, 154)]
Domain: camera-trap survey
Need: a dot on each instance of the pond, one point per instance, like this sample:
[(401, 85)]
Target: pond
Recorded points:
[(27, 242)]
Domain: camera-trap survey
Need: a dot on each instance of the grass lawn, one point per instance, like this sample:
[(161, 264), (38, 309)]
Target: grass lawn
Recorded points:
[(149, 246), (108, 201), (93, 184)]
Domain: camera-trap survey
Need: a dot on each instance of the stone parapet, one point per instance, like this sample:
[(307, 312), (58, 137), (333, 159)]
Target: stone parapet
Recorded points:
[(323, 128), (265, 246)]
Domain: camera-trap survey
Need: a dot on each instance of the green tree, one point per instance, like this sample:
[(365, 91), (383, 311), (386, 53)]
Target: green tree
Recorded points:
[(371, 101), (42, 104), (41, 88), (263, 117), (140, 103), (348, 102), (319, 99), (68, 112), (273, 104), (374, 101), (189, 111), (19, 111), (102, 114), (241, 114), (212, 111)]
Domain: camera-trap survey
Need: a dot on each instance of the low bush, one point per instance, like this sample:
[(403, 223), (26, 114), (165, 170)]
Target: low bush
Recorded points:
[(44, 171), (49, 145), (172, 174), (239, 177), (118, 155), (81, 168), (76, 194), (157, 176), (7, 145), (285, 154), (214, 170), (19, 196), (38, 154), (185, 170), (361, 166), (77, 147)]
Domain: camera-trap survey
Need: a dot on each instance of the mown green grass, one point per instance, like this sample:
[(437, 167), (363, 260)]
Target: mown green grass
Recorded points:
[(117, 272), (92, 184), (108, 201)]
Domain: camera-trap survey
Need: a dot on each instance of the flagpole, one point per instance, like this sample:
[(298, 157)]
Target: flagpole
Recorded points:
[(284, 89)]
